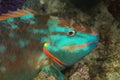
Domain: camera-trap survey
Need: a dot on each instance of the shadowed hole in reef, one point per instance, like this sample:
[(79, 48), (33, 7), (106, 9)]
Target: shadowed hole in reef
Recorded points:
[(68, 70), (85, 4)]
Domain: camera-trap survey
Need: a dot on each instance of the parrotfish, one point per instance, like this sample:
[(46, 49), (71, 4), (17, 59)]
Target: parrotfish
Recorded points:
[(30, 43)]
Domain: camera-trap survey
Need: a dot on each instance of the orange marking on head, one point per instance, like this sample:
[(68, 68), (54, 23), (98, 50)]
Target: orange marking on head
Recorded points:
[(84, 45), (76, 46), (70, 47), (55, 59)]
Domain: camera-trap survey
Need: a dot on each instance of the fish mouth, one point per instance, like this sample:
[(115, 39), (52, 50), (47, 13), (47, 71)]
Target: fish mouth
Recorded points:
[(73, 47)]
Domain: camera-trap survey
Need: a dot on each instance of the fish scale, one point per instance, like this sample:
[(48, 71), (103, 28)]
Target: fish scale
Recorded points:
[(30, 42)]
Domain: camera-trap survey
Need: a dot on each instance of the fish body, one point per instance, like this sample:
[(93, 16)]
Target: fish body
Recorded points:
[(30, 42)]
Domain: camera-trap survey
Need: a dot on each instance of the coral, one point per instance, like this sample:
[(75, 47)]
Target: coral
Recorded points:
[(113, 7), (44, 76)]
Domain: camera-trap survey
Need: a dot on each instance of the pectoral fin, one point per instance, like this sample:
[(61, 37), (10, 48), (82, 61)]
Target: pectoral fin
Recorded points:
[(54, 71)]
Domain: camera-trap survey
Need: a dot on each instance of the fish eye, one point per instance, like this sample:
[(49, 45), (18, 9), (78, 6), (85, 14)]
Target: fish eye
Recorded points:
[(71, 33)]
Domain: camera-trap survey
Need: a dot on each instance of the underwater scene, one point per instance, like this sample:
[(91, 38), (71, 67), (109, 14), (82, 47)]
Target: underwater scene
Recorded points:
[(59, 40)]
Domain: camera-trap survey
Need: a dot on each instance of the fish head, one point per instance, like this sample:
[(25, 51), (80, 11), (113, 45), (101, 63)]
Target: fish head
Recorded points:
[(69, 41)]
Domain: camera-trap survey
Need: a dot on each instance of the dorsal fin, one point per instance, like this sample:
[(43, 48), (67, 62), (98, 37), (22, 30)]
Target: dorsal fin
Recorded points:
[(17, 13)]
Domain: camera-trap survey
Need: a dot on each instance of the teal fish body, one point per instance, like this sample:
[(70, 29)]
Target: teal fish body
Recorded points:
[(30, 42)]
